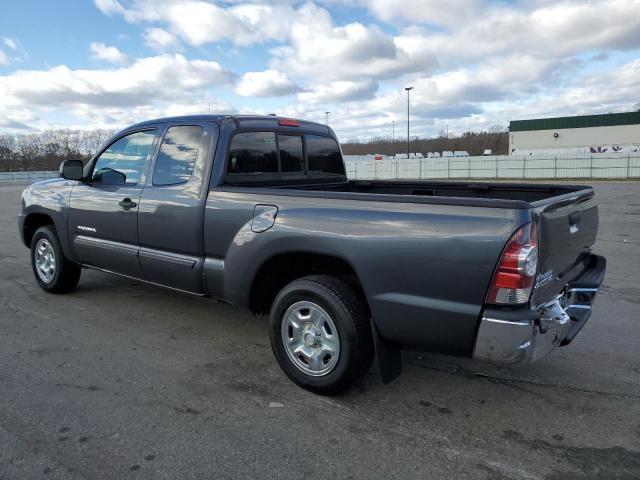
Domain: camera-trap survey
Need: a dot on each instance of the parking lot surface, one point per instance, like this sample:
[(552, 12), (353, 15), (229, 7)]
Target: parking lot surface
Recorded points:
[(123, 380)]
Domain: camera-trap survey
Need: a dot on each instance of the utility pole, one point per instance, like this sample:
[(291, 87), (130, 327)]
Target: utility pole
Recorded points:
[(326, 117), (408, 89), (393, 137)]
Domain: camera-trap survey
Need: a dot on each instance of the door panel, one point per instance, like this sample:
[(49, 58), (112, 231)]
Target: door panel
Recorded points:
[(172, 207), (103, 213)]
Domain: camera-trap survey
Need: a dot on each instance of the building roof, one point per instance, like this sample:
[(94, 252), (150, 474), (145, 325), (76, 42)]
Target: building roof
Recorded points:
[(583, 121)]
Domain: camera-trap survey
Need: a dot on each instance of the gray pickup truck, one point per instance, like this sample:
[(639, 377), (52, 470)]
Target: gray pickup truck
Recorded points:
[(257, 211)]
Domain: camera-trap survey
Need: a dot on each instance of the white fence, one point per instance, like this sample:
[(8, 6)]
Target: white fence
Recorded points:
[(618, 166), (26, 177)]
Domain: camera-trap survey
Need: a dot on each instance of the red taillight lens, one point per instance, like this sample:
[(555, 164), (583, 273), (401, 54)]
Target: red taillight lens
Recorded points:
[(288, 122), (514, 277)]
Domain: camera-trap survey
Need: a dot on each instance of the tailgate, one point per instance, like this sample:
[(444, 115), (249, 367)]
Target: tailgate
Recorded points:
[(567, 227)]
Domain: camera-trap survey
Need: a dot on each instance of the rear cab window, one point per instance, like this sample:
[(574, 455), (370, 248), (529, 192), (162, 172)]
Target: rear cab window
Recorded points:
[(268, 156), (253, 152), (324, 155), (291, 153)]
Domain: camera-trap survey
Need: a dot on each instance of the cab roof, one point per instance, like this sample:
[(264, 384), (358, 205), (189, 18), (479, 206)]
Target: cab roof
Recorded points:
[(240, 120)]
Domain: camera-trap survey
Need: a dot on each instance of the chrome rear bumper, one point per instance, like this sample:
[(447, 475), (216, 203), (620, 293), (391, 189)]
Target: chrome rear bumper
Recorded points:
[(524, 336)]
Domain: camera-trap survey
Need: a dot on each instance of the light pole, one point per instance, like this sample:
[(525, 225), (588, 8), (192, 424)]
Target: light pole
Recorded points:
[(326, 117), (408, 89), (393, 137)]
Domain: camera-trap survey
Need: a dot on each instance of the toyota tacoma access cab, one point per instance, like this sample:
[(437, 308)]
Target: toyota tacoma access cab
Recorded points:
[(257, 211)]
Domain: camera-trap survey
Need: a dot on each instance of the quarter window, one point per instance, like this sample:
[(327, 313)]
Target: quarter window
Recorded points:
[(291, 154), (178, 155), (253, 152), (123, 162), (324, 155)]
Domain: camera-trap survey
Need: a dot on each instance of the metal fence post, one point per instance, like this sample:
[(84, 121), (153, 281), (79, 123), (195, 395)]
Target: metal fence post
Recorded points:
[(524, 162), (397, 177), (495, 159), (591, 168), (555, 167), (375, 170), (628, 164)]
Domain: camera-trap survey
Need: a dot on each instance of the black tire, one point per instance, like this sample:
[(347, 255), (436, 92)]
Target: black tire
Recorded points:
[(350, 315), (66, 275)]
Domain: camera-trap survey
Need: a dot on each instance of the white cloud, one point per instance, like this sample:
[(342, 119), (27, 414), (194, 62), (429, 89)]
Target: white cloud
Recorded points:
[(199, 22), (114, 117), (339, 91), (556, 30), (472, 62), (159, 39), (12, 51), (147, 80), (321, 50), (100, 51), (268, 83), (452, 13), (10, 43), (109, 7)]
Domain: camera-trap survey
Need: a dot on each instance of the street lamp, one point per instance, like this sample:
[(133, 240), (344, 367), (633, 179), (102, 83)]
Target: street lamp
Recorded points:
[(408, 89), (326, 117), (393, 137)]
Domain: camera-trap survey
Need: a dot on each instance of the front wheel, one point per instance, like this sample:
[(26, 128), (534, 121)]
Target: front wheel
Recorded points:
[(53, 271), (320, 333)]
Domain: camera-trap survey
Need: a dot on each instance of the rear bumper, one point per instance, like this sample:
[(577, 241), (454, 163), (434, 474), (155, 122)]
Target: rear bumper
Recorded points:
[(508, 336)]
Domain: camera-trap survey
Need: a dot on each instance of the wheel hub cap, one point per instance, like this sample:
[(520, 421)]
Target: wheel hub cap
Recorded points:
[(45, 260), (310, 338)]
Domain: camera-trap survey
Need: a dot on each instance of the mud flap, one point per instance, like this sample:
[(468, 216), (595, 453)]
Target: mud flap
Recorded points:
[(387, 356)]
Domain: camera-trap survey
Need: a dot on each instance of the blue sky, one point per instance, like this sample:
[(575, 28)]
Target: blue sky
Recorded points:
[(473, 63)]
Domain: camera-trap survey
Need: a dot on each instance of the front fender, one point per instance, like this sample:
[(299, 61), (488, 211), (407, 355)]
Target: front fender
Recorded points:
[(49, 198)]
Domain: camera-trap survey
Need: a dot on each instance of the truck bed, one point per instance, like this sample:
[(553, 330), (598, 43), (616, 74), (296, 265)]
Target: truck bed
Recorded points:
[(534, 195), (566, 215)]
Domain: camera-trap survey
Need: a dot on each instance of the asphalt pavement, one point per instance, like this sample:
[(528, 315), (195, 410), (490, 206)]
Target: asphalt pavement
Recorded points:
[(123, 380)]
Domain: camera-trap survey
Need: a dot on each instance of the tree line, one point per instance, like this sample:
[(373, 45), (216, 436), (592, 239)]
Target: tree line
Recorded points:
[(496, 140), (47, 149)]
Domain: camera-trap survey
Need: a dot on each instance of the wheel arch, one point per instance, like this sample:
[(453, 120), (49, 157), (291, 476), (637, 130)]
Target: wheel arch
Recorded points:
[(32, 222), (284, 267)]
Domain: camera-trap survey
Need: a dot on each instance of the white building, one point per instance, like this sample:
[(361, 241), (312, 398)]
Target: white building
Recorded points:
[(606, 133)]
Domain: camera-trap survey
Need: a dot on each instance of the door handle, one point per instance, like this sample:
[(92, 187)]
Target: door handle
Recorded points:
[(126, 203)]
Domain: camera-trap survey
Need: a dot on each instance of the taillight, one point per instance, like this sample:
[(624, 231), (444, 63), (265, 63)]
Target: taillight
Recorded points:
[(515, 275)]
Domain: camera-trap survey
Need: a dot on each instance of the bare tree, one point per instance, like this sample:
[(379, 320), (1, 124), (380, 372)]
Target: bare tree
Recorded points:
[(497, 139), (46, 150)]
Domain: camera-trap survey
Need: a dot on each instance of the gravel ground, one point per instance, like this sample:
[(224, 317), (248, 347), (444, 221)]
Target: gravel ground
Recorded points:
[(122, 380)]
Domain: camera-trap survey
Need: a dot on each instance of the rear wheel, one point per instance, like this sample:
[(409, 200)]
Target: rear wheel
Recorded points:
[(53, 271), (320, 333)]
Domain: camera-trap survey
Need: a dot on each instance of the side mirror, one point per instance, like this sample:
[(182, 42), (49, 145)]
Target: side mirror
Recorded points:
[(71, 169)]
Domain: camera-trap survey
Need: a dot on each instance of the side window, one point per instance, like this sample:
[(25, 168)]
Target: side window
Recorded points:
[(253, 152), (178, 155), (123, 162), (324, 156), (291, 156)]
